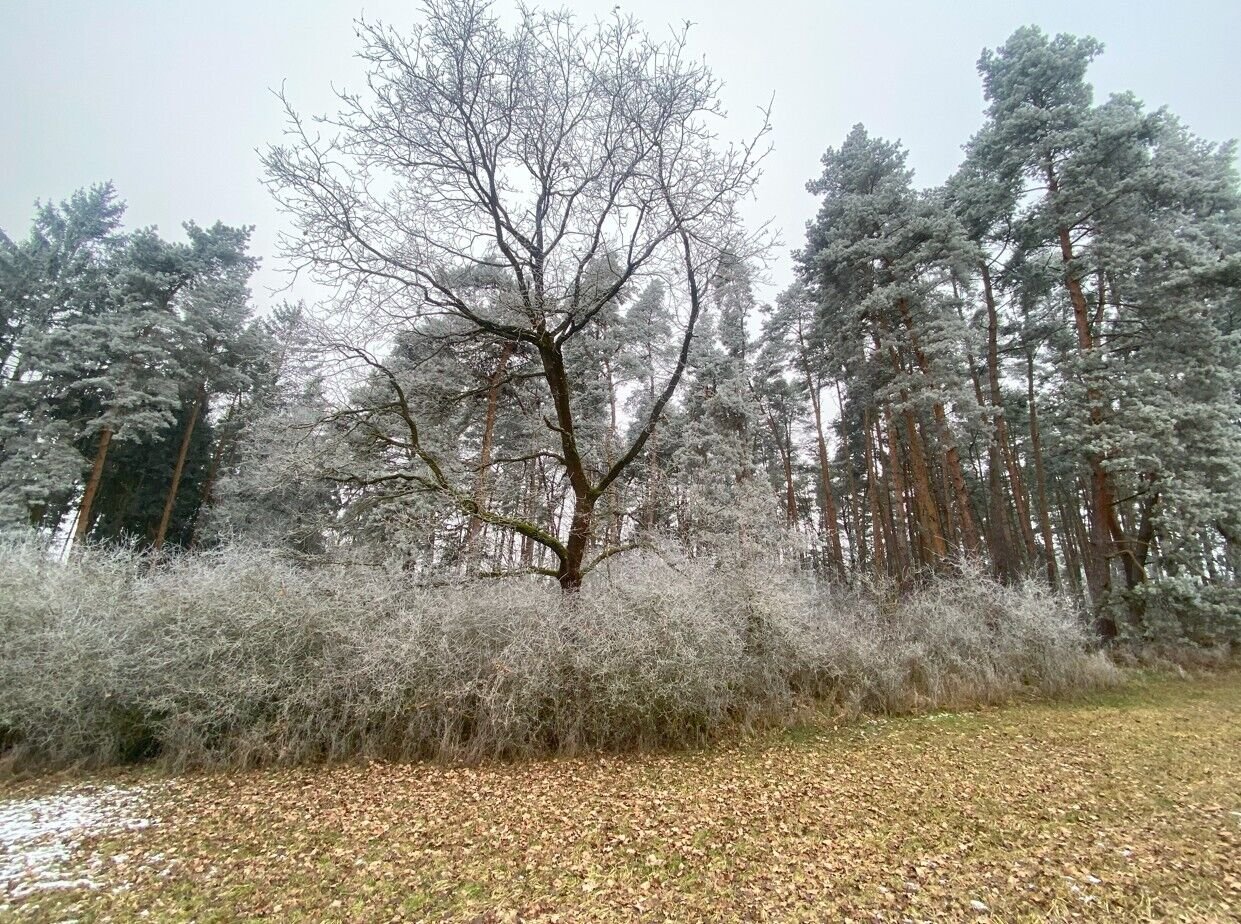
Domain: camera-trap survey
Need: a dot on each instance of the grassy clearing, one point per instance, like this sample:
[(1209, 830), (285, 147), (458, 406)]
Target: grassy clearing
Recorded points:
[(1121, 806)]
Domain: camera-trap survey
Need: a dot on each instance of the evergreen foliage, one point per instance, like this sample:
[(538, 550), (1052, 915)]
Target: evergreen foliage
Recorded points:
[(549, 346)]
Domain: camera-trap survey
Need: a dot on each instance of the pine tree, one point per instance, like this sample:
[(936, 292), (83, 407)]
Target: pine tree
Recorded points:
[(879, 261), (57, 279)]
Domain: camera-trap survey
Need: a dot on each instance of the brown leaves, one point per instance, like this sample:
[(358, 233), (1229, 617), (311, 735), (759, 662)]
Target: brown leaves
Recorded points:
[(1036, 813)]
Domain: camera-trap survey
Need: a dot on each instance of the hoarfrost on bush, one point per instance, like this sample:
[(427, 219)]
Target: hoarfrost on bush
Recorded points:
[(240, 657)]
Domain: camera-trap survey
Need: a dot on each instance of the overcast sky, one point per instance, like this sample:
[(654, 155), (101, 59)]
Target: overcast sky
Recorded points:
[(169, 99)]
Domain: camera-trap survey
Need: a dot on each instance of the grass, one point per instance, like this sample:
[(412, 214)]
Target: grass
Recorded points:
[(1117, 806)]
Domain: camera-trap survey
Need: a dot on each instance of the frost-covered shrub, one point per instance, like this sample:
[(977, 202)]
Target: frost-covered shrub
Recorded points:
[(961, 639), (240, 657)]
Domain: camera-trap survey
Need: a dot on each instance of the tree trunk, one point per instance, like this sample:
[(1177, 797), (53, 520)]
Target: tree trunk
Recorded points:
[(569, 573), (1000, 422), (494, 383), (944, 491), (200, 398), (872, 485), (1072, 560), (827, 503), (955, 478), (616, 505), (783, 438), (1107, 536), (929, 526), (1003, 565), (222, 446), (1092, 566), (528, 503), (952, 458), (896, 475), (650, 510), (1005, 560), (92, 485), (931, 544), (858, 538), (1040, 477), (790, 491)]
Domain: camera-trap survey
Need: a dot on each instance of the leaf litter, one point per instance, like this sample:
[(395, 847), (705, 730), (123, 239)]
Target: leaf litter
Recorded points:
[(1118, 808)]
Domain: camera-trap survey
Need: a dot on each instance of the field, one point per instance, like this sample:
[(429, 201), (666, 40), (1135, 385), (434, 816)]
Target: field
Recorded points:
[(1123, 806)]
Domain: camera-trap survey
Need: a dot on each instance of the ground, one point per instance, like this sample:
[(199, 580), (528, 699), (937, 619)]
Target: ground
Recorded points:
[(1121, 807)]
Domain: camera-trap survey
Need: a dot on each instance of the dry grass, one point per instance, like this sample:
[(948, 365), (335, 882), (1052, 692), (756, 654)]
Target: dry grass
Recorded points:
[(1121, 807)]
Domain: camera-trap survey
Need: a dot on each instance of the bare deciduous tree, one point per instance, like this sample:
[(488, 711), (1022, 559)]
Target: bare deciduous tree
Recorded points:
[(486, 174)]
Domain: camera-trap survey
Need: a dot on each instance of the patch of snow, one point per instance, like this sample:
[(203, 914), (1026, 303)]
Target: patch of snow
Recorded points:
[(37, 836)]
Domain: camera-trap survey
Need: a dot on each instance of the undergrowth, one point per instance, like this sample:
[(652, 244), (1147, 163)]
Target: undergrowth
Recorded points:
[(241, 658)]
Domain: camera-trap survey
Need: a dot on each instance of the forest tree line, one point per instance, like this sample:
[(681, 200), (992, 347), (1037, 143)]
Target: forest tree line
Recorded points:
[(548, 348)]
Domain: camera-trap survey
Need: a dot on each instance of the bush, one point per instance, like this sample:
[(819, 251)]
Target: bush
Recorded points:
[(240, 658)]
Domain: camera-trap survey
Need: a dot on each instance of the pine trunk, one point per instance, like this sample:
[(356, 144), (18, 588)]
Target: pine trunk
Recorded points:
[(930, 528), (876, 510), (827, 503), (953, 472), (1107, 536), (222, 446), (1003, 565), (161, 532), (92, 485), (1040, 477), (790, 488), (1016, 483), (857, 554), (494, 383), (899, 518), (1005, 562), (1072, 560)]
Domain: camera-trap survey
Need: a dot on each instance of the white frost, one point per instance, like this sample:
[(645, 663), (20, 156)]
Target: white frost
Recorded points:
[(37, 836)]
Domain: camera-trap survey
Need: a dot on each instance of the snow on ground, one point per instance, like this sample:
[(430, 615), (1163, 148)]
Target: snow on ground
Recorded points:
[(37, 836)]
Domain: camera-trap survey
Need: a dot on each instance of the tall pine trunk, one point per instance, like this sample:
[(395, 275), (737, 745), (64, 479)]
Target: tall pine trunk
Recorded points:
[(1107, 535), (1040, 476), (857, 543), (953, 472), (872, 487), (930, 527), (92, 485), (790, 488), (494, 383), (223, 445), (899, 519), (161, 532), (1005, 558), (932, 546), (827, 503), (1072, 558), (1017, 486)]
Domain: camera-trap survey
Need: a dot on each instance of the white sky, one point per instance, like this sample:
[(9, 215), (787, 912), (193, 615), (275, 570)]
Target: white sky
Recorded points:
[(169, 98)]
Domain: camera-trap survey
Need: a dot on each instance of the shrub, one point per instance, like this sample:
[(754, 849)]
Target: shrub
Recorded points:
[(239, 657)]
